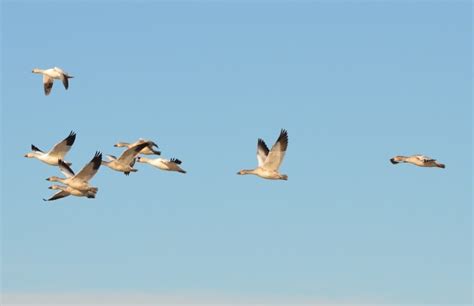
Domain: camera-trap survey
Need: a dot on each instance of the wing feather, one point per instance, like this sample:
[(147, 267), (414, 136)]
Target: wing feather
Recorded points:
[(60, 149), (65, 169), (130, 154), (91, 168), (48, 84), (262, 152), (277, 153), (58, 195)]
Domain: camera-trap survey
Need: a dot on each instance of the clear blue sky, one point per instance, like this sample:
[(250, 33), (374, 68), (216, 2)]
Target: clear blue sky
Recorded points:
[(354, 83)]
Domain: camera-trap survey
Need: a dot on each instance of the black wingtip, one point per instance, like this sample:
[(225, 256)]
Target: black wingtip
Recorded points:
[(71, 138), (97, 160), (176, 161), (392, 160), (35, 148)]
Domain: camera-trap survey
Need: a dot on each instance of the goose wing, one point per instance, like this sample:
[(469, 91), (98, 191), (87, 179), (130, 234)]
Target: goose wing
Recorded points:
[(35, 149), (58, 195), (277, 153), (65, 169), (47, 83), (424, 158), (262, 152), (63, 76), (129, 155), (91, 168), (60, 149)]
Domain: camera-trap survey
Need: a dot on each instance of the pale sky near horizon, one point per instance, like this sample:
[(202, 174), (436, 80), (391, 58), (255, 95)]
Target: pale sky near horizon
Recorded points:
[(353, 82)]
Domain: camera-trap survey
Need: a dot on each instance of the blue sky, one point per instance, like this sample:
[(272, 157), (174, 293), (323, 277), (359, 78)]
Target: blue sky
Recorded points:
[(354, 83)]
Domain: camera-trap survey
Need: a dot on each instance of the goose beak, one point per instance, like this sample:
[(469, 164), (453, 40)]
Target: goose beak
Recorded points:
[(115, 145), (48, 179), (26, 155), (50, 187)]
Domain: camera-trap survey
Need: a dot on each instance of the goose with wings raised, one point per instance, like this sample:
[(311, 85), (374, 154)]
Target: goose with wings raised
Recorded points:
[(417, 160), (126, 161), (269, 161), (79, 181), (49, 75), (65, 191), (162, 163), (57, 152)]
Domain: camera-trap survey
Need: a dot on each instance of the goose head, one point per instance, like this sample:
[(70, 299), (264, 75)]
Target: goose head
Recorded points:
[(397, 159), (120, 144), (54, 179)]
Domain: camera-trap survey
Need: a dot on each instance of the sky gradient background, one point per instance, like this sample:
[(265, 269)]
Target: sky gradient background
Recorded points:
[(354, 83)]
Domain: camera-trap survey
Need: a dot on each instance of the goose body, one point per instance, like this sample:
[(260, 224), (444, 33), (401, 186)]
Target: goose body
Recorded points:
[(49, 75), (269, 161), (148, 150), (57, 152), (65, 191), (126, 161), (79, 181), (417, 160), (163, 164)]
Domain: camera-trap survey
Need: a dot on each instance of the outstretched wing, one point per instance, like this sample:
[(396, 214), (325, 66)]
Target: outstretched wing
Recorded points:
[(262, 152), (47, 83), (60, 149), (129, 155), (65, 169), (91, 168), (277, 153), (58, 195)]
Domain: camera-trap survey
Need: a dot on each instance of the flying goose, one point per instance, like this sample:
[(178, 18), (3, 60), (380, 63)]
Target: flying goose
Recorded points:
[(270, 160), (126, 161), (163, 164), (49, 75), (418, 160), (81, 180), (65, 191), (148, 150), (56, 153)]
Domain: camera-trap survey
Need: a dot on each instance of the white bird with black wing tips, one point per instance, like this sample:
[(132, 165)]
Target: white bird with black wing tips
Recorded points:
[(65, 191), (417, 160), (57, 152), (81, 180), (126, 161), (49, 75), (269, 161), (163, 164)]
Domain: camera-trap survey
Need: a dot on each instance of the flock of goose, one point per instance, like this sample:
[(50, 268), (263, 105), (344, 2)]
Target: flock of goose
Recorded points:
[(269, 161)]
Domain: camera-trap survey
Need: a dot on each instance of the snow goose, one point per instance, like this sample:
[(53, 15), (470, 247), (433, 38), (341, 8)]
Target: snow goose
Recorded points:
[(65, 191), (163, 164), (81, 180), (126, 161), (418, 160), (56, 153), (49, 75), (270, 160), (148, 150)]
